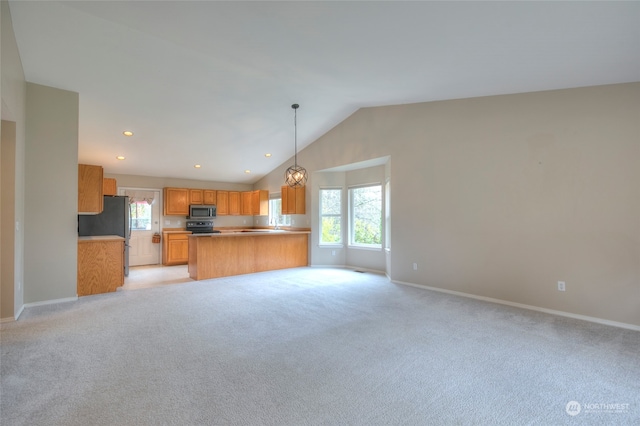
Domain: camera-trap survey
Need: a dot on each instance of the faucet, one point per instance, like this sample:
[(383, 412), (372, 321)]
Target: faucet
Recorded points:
[(275, 220)]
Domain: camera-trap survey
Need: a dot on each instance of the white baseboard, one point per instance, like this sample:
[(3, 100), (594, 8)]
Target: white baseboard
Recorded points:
[(13, 318), (51, 302), (523, 306), (354, 268)]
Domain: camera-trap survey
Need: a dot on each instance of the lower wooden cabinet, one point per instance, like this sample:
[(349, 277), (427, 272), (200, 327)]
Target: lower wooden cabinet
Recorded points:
[(175, 248), (100, 264)]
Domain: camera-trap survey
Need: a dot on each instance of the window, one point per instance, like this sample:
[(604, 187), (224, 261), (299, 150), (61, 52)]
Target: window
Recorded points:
[(331, 216), (140, 213), (276, 218), (365, 214)]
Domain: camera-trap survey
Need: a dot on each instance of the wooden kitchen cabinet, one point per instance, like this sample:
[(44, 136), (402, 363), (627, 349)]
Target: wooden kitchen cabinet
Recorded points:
[(176, 202), (175, 248), (222, 203), (90, 199), (196, 196), (109, 186), (260, 202), (246, 204), (209, 196), (234, 203), (100, 264), (293, 200)]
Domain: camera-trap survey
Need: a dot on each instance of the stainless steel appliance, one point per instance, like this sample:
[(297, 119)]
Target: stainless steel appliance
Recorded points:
[(198, 212), (202, 226), (114, 220)]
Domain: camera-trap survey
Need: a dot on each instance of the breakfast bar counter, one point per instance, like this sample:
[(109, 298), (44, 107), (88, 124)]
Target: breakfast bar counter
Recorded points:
[(246, 251)]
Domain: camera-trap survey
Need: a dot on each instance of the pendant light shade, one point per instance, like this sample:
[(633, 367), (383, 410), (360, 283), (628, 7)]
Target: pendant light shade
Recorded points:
[(295, 176)]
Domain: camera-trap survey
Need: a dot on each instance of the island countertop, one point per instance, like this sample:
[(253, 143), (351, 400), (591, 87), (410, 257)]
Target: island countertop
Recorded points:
[(246, 251), (249, 233)]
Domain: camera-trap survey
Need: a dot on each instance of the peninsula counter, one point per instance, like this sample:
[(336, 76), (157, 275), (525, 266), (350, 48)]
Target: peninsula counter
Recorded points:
[(246, 252)]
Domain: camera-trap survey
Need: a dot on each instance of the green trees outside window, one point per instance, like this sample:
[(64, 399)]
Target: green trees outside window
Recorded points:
[(331, 216), (366, 215)]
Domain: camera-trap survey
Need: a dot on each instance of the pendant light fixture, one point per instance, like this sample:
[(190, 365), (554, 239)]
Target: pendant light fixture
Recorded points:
[(295, 176)]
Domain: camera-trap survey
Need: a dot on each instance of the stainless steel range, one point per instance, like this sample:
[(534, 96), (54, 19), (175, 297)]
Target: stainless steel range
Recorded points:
[(201, 226)]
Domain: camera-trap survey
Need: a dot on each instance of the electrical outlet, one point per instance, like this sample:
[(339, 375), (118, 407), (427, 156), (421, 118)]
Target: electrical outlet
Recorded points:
[(333, 252), (561, 286), (415, 266)]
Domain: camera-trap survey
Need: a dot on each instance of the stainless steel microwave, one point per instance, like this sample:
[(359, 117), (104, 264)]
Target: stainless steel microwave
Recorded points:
[(202, 212)]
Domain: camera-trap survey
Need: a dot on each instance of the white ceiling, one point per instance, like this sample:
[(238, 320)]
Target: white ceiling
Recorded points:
[(213, 82)]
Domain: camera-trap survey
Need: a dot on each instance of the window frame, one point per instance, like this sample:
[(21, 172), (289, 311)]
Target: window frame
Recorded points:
[(338, 215), (286, 218), (351, 215)]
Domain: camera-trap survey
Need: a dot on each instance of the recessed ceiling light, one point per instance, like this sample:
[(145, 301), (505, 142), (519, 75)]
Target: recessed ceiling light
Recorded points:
[(127, 133), (197, 166), (267, 155), (119, 157), (247, 171)]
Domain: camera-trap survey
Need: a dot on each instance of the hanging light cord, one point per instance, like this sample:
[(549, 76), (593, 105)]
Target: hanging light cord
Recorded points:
[(295, 133)]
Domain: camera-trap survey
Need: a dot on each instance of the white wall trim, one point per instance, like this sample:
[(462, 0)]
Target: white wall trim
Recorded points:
[(51, 302), (523, 306), (13, 318), (19, 312), (354, 268)]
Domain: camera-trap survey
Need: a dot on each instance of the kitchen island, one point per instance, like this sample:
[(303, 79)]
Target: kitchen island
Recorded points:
[(245, 252)]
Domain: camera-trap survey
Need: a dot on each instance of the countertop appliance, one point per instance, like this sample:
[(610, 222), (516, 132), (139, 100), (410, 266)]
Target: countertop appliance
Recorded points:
[(199, 212), (114, 220), (201, 226)]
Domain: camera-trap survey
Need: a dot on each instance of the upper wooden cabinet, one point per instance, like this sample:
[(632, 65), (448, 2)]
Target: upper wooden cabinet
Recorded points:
[(234, 203), (109, 186), (209, 196), (196, 196), (293, 200), (176, 202), (246, 203), (260, 202), (90, 189), (222, 203)]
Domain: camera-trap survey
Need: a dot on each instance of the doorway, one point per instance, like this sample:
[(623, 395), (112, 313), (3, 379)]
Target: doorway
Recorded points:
[(144, 219)]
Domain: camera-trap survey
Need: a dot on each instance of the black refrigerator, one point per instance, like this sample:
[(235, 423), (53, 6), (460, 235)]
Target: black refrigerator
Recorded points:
[(114, 220)]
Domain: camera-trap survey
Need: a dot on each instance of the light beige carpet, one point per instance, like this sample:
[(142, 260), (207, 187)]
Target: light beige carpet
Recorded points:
[(311, 347)]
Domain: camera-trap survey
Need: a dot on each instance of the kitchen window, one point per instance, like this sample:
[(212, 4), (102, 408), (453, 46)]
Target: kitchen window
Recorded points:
[(365, 216), (140, 213), (331, 216), (276, 218)]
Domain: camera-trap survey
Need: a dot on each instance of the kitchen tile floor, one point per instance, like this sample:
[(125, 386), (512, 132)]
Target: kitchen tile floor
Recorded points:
[(155, 275)]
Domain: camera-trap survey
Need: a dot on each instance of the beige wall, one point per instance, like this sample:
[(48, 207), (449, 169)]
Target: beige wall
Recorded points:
[(13, 94), (7, 219), (51, 197), (504, 196)]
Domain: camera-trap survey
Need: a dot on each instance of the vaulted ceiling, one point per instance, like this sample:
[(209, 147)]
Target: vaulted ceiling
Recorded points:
[(212, 82)]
